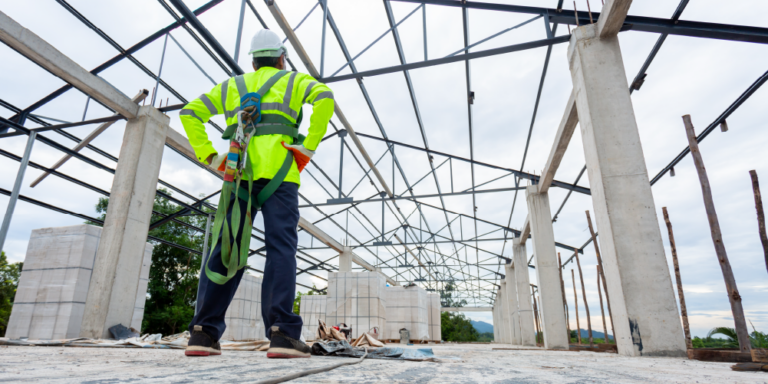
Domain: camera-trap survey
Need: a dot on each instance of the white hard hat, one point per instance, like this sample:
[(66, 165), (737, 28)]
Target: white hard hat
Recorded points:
[(266, 43)]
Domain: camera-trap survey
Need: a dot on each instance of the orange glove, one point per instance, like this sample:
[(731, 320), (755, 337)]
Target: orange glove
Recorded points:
[(218, 162), (301, 154)]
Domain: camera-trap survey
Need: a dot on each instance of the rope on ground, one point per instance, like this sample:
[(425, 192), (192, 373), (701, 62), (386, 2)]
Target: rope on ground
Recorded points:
[(311, 371)]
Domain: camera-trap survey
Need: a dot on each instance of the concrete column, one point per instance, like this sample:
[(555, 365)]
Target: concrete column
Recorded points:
[(345, 260), (496, 320), (115, 278), (523, 284), (548, 275), (511, 296), (637, 275), (505, 318)]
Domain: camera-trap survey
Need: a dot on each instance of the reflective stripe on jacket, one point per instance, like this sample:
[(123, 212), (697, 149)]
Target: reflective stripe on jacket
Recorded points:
[(265, 153)]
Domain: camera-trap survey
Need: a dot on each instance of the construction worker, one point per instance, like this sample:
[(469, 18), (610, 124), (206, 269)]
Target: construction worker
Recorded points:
[(273, 158)]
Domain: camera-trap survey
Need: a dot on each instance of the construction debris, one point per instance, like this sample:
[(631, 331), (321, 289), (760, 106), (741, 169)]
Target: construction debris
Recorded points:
[(177, 341), (343, 348)]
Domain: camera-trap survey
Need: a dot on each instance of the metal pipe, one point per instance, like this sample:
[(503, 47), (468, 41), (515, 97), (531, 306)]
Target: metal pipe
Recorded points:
[(193, 60), (16, 189), (159, 72), (239, 30), (322, 44)]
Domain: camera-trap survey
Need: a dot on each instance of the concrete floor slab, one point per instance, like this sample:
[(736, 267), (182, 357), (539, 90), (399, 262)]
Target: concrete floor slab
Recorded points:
[(465, 363)]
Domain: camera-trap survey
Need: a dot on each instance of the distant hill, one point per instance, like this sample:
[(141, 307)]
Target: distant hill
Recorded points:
[(482, 327), (595, 334)]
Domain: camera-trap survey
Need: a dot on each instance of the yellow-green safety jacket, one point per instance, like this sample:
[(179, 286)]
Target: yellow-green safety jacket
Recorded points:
[(285, 98)]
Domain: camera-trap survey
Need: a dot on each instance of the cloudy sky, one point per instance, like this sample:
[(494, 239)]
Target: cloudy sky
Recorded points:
[(700, 77)]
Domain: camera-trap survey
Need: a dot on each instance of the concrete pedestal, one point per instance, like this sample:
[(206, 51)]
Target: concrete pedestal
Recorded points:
[(511, 295), (311, 309), (523, 283), (358, 299), (114, 281), (637, 275), (505, 318), (50, 298), (547, 270), (433, 308), (407, 307), (243, 317), (496, 321)]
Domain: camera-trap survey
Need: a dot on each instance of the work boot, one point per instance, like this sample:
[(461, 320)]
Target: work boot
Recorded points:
[(282, 346), (202, 344)]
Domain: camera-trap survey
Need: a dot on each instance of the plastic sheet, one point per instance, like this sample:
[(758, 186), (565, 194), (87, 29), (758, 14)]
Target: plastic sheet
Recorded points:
[(343, 348), (243, 318), (312, 309), (407, 308), (357, 299)]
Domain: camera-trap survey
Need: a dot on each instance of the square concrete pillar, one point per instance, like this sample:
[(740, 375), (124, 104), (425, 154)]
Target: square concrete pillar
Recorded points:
[(547, 270), (636, 271), (523, 285), (505, 318), (511, 295), (497, 324), (345, 260), (115, 278)]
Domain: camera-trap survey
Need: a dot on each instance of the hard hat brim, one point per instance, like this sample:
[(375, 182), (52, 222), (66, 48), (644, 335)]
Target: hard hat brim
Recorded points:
[(269, 52)]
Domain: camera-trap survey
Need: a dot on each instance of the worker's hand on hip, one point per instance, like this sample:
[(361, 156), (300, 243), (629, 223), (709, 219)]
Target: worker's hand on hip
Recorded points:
[(218, 162), (301, 154)]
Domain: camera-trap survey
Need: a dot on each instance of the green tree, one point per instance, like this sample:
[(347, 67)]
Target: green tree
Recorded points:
[(757, 339), (457, 327), (485, 337), (173, 277), (446, 297), (297, 300), (9, 280)]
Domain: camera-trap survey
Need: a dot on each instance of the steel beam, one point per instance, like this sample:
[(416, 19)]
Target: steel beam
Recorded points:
[(450, 59), (729, 32), (517, 173), (51, 59)]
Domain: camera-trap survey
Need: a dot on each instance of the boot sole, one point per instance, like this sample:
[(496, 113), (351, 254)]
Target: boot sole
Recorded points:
[(201, 351), (285, 353)]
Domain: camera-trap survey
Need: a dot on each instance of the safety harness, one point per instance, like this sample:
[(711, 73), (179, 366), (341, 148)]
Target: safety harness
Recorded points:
[(250, 123)]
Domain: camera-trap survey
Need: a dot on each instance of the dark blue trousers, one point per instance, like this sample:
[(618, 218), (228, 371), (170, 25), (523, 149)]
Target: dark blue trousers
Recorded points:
[(281, 218)]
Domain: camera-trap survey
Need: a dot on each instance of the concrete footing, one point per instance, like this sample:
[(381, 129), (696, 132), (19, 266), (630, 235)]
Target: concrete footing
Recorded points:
[(243, 318), (53, 286), (637, 275), (357, 299)]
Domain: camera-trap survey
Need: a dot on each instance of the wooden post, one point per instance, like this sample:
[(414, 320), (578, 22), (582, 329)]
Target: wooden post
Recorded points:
[(535, 314), (565, 302), (602, 312), (602, 272), (717, 239), (760, 214), (683, 309), (576, 305), (541, 328), (584, 294)]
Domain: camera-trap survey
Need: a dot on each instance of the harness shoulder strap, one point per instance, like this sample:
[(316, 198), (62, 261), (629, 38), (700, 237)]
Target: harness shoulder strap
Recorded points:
[(269, 83)]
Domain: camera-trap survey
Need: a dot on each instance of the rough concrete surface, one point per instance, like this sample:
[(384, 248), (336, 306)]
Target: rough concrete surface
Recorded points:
[(464, 363)]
